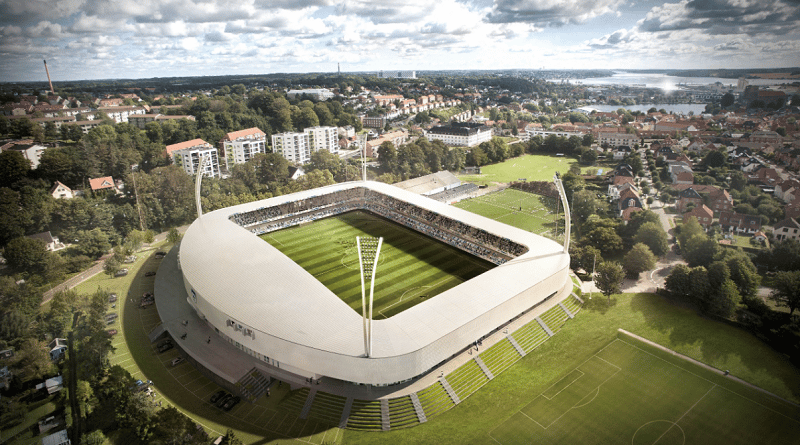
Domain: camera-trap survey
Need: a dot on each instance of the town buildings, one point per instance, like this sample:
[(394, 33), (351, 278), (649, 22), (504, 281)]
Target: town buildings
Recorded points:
[(462, 134), (297, 147), (240, 146), (187, 155)]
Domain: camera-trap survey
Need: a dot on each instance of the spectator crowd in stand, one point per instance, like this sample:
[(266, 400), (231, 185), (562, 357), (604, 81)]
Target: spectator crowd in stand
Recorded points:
[(458, 234)]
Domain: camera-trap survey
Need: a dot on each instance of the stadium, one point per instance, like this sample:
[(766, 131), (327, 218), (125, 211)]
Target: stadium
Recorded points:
[(268, 306)]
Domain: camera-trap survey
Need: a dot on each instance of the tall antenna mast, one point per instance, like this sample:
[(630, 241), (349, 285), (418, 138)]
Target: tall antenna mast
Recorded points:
[(52, 91)]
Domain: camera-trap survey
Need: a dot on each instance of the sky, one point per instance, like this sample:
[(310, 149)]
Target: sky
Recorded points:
[(104, 39)]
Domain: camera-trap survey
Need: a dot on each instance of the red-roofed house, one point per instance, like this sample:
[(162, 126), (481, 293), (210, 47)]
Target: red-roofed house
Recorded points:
[(104, 183), (702, 214), (240, 146), (188, 154), (739, 222)]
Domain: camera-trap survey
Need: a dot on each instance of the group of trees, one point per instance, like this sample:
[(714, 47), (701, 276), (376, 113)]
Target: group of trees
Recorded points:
[(715, 279)]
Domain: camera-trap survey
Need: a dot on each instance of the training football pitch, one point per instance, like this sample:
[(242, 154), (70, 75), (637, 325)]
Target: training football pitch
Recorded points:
[(525, 167), (632, 392), (412, 267), (523, 210)]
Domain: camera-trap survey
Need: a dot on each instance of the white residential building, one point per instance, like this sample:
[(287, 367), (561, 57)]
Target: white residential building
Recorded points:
[(316, 93), (323, 138), (461, 134), (187, 155), (617, 139), (297, 147), (120, 114), (240, 146)]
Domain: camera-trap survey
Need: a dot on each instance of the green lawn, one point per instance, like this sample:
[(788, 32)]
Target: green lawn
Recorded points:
[(629, 391), (517, 208), (494, 412), (528, 167), (327, 250)]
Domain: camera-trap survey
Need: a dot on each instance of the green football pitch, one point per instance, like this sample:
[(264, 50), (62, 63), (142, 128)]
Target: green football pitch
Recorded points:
[(525, 167), (523, 210), (411, 267), (631, 392)]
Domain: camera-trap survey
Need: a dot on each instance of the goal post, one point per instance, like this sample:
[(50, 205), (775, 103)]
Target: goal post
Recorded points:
[(369, 249)]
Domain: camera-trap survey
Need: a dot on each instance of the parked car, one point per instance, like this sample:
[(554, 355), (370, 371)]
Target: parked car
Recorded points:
[(150, 274), (121, 273), (130, 259), (112, 332), (177, 361), (112, 298), (217, 395), (160, 254), (223, 400), (230, 403), (165, 347)]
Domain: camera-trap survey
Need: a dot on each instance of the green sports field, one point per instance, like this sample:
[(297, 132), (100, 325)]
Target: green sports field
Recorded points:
[(523, 210), (526, 167), (631, 392), (411, 267)]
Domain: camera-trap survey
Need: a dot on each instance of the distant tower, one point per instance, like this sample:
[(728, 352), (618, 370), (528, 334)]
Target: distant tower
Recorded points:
[(48, 79), (339, 69)]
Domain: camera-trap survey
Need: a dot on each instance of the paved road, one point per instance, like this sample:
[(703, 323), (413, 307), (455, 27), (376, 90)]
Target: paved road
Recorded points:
[(95, 269)]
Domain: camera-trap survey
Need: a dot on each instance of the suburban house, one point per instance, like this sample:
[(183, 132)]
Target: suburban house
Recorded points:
[(629, 202), (789, 228), (61, 191), (51, 385), (104, 183), (621, 151), (50, 242), (29, 150), (688, 196), (58, 346), (702, 214), (721, 200), (739, 222), (787, 190)]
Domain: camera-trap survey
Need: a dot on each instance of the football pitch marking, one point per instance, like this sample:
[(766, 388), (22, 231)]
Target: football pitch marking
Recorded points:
[(709, 381), (633, 439)]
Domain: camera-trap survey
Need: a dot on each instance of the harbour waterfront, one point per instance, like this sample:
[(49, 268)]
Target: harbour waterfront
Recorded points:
[(669, 108)]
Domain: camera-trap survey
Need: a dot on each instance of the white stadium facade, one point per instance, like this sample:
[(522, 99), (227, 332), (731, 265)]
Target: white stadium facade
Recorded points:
[(254, 297)]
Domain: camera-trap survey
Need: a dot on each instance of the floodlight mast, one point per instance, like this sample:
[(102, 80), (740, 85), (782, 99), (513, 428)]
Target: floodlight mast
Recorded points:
[(567, 216), (369, 249), (203, 158)]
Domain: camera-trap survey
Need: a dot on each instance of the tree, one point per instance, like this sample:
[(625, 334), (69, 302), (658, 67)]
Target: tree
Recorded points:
[(690, 229), (727, 100), (13, 167), (700, 250), (387, 156), (786, 290), (744, 273), (609, 278), (638, 260), (605, 239), (96, 437), (715, 158), (584, 204), (93, 243), (678, 283), (111, 266), (26, 254), (653, 236), (230, 438), (173, 236), (32, 362)]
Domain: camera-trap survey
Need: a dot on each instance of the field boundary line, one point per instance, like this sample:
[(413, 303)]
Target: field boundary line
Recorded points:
[(693, 361)]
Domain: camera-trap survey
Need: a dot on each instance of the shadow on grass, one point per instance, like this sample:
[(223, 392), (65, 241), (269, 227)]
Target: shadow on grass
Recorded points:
[(598, 303), (713, 342)]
